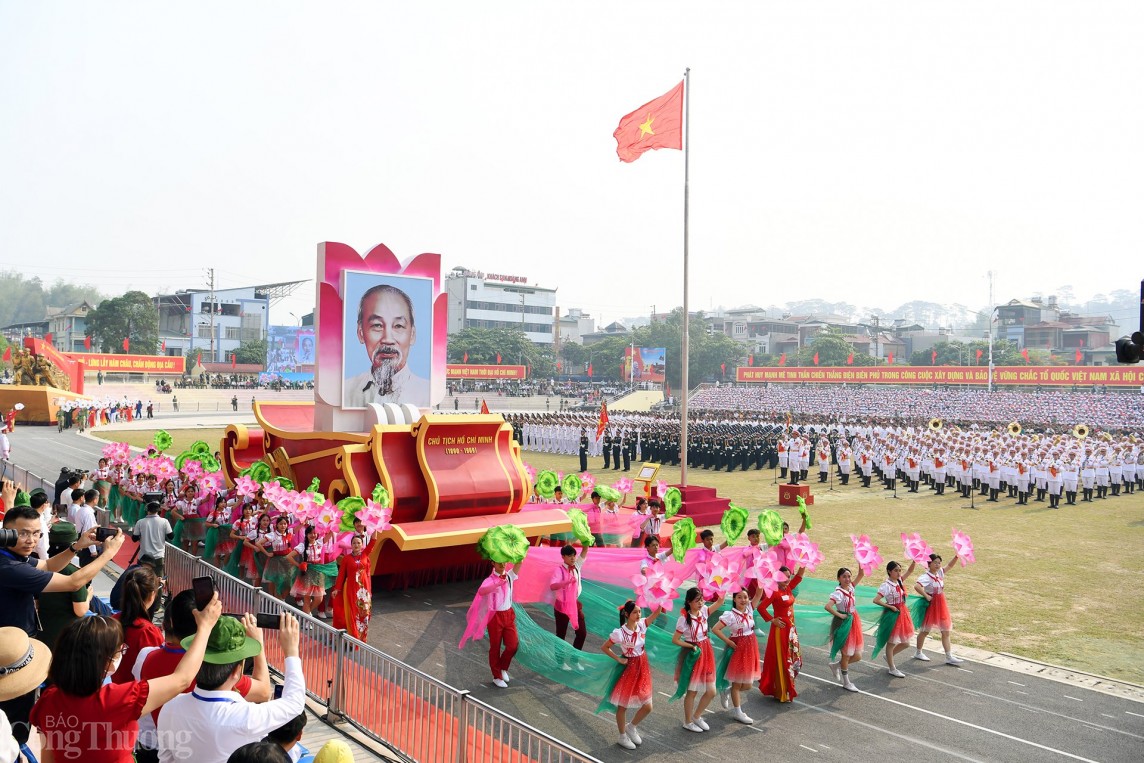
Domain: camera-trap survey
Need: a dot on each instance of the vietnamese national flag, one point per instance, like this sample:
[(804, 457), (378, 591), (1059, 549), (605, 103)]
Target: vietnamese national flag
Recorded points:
[(199, 359), (723, 368), (782, 359), (656, 124), (498, 358), (484, 407), (850, 359), (979, 356), (559, 366), (933, 358), (87, 343), (1025, 354), (602, 424), (126, 344), (1079, 357), (233, 360), (750, 360), (163, 346), (8, 354), (816, 358), (466, 358), (891, 359)]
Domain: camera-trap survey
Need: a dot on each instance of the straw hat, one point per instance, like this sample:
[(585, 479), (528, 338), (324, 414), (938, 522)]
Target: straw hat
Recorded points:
[(23, 663)]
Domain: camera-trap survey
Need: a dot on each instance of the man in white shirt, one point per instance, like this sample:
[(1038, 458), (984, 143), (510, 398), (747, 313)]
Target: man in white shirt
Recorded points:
[(152, 533), (84, 522), (74, 506), (213, 721)]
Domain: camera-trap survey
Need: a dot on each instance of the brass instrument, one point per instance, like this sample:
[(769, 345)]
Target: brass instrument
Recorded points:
[(935, 424), (1080, 431), (1014, 428)]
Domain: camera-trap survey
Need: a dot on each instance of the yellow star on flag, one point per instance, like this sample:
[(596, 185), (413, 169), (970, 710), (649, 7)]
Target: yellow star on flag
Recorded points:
[(645, 128)]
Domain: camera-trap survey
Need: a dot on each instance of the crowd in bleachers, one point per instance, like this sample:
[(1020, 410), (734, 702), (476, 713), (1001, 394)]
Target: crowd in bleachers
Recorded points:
[(824, 404)]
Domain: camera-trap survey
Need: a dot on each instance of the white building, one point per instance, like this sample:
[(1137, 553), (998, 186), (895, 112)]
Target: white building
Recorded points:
[(492, 301), (574, 325)]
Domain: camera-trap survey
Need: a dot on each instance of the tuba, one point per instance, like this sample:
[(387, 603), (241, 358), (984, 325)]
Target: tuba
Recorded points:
[(935, 424), (1080, 431), (1014, 428)]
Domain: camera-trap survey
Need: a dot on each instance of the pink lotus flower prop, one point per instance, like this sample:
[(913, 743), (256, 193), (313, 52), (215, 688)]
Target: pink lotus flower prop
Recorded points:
[(213, 482), (193, 470), (273, 493), (720, 575), (916, 548), (140, 465), (660, 488), (245, 486), (307, 507), (623, 485), (763, 566), (285, 500), (803, 551), (328, 518), (866, 554), (963, 547), (656, 587), (116, 452), (587, 481), (374, 517), (163, 468), (531, 472)]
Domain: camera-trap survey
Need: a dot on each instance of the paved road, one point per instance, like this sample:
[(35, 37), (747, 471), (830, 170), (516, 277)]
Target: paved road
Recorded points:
[(975, 713)]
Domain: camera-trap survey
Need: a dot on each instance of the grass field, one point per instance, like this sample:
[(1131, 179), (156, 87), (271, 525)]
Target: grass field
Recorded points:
[(1052, 585)]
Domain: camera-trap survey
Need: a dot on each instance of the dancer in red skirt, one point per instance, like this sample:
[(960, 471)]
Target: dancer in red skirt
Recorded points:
[(846, 647), (737, 629), (691, 637), (633, 689), (783, 658), (895, 631), (933, 613)]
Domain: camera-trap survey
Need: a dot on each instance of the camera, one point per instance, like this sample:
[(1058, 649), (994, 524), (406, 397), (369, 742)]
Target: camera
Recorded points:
[(8, 538)]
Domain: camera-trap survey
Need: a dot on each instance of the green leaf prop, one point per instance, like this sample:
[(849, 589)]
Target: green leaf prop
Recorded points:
[(201, 448), (607, 493), (572, 486), (682, 538), (672, 501), (259, 471), (285, 482), (162, 440), (734, 522), (580, 527), (315, 486), (771, 526), (504, 543), (350, 506), (802, 510), (184, 457), (209, 462), (381, 496), (546, 483)]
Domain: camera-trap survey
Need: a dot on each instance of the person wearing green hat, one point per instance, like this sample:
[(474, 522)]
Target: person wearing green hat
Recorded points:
[(61, 607), (213, 721)]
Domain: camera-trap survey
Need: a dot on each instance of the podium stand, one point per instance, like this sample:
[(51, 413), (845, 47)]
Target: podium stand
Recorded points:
[(788, 494)]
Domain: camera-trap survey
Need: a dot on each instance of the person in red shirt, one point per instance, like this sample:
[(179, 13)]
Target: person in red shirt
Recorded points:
[(81, 716), (139, 591)]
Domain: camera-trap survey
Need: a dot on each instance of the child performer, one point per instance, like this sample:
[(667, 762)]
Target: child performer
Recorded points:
[(845, 628), (699, 671), (894, 626), (743, 666), (933, 612), (633, 688)]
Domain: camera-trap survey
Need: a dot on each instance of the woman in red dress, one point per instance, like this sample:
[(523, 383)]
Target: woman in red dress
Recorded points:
[(782, 660), (633, 688), (353, 591)]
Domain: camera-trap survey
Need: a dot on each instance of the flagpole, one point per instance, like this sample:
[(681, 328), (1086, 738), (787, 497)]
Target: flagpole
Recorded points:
[(686, 312)]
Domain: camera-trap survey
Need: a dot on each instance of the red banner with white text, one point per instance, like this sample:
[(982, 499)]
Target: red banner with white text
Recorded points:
[(467, 371), (1054, 376)]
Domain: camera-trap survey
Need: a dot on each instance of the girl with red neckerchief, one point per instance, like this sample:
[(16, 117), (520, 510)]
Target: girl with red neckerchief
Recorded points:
[(633, 689)]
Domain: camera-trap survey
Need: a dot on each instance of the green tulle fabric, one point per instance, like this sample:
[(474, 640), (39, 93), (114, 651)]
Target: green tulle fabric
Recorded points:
[(886, 622)]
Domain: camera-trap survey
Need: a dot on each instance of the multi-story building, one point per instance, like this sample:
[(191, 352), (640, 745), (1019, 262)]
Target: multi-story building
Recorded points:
[(492, 301), (68, 325), (574, 325)]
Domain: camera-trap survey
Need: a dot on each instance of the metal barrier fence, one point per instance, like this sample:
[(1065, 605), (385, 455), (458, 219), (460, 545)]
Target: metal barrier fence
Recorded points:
[(408, 711), (29, 481)]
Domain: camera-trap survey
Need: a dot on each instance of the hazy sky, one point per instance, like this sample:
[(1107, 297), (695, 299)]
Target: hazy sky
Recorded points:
[(867, 152)]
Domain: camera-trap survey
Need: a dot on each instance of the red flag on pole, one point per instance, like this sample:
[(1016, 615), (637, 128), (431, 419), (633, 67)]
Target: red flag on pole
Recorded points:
[(87, 343), (850, 359), (656, 124), (750, 360), (589, 370), (816, 358), (559, 366), (782, 359), (163, 346), (602, 424), (199, 359), (979, 356), (126, 344), (8, 354), (890, 360), (933, 358), (1025, 354), (234, 360), (1079, 357), (484, 406), (723, 368), (466, 358), (498, 358)]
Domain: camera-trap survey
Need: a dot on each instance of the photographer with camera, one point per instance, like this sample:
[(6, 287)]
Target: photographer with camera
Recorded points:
[(22, 578)]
